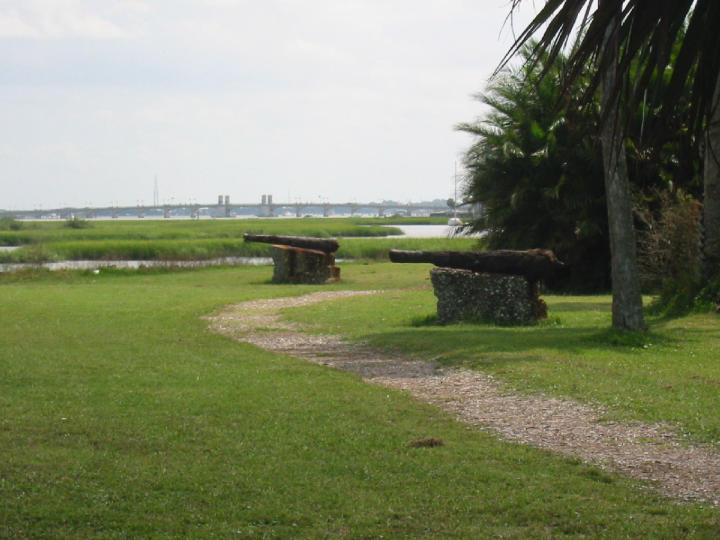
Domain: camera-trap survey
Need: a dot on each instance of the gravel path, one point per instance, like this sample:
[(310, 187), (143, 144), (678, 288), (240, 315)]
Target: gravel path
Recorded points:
[(651, 452)]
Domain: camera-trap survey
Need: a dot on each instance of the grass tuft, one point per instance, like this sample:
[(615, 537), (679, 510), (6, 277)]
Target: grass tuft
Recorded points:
[(428, 442)]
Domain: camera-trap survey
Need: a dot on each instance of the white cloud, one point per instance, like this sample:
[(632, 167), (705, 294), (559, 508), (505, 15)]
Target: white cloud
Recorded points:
[(348, 99), (58, 19)]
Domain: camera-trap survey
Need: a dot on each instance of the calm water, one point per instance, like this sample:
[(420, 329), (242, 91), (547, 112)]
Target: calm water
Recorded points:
[(432, 231), (93, 265), (426, 231)]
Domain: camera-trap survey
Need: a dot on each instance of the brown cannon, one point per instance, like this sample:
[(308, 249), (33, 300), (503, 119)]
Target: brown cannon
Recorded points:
[(534, 264), (327, 245), (300, 259), (501, 286)]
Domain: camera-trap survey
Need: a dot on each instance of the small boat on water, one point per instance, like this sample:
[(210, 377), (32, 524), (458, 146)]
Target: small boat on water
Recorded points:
[(455, 222)]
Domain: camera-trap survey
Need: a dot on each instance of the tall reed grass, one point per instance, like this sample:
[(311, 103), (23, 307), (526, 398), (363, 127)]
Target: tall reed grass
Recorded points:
[(360, 238), (47, 232)]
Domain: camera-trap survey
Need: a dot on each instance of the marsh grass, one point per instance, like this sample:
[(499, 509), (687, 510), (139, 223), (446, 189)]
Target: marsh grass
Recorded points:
[(55, 231), (123, 416), (361, 238)]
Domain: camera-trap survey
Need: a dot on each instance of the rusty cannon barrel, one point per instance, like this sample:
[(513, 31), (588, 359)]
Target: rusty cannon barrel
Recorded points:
[(533, 264), (327, 245)]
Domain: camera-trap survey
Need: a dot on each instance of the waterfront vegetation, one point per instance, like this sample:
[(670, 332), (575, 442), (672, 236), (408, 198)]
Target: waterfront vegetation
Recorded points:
[(362, 238), (187, 229), (122, 415)]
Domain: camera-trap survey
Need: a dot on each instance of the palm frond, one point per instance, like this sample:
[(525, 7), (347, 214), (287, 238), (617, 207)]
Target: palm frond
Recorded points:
[(648, 32)]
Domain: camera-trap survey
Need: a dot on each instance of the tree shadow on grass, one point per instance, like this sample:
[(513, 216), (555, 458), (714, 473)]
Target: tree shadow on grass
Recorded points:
[(578, 306), (491, 344)]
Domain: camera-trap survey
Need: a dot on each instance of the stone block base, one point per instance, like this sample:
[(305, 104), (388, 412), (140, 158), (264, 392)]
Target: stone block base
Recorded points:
[(464, 295), (298, 265)]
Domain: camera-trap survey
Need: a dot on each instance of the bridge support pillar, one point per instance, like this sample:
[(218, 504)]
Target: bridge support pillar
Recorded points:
[(267, 210)]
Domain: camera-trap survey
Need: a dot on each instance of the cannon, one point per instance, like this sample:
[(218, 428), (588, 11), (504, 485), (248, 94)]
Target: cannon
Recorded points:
[(533, 264), (327, 245), (300, 259), (501, 286)]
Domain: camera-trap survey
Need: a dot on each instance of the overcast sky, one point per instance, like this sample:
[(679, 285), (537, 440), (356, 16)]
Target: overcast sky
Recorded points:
[(339, 100)]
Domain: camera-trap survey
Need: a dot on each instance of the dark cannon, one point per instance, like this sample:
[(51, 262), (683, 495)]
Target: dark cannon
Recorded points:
[(501, 286), (300, 259), (327, 245), (533, 264)]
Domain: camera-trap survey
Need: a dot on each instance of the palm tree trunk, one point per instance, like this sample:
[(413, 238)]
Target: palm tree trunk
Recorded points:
[(711, 195), (627, 311)]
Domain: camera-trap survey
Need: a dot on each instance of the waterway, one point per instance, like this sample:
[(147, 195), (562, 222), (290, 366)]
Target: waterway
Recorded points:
[(427, 231), (134, 265)]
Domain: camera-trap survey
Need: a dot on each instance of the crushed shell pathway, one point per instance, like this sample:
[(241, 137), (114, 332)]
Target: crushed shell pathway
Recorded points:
[(651, 452)]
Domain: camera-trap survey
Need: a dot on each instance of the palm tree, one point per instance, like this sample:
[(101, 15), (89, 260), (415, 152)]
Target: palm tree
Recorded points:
[(622, 36), (535, 171), (711, 194), (627, 311), (627, 300)]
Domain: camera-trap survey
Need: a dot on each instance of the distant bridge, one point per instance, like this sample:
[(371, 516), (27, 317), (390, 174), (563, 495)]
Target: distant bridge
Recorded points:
[(225, 209)]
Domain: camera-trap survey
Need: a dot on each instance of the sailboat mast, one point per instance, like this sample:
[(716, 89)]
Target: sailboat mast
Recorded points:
[(455, 199)]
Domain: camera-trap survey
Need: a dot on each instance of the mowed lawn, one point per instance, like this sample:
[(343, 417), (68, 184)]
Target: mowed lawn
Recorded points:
[(670, 373), (122, 416)]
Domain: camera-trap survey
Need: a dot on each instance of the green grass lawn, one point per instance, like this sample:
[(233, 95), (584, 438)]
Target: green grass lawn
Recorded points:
[(671, 373), (122, 416)]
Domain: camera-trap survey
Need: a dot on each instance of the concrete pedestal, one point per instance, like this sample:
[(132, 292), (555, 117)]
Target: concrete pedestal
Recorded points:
[(298, 265), (464, 295)]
